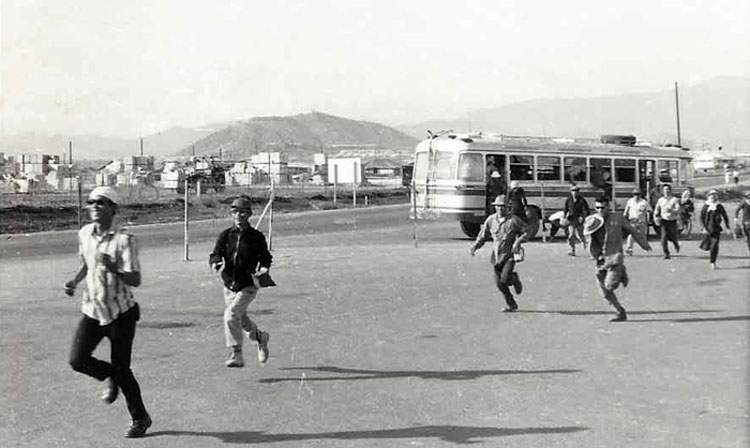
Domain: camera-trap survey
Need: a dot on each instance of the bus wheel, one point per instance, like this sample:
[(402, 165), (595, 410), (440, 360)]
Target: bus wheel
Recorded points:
[(470, 229), (533, 220)]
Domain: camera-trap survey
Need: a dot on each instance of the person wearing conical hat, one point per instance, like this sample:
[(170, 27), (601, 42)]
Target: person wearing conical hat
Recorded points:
[(507, 231), (605, 231)]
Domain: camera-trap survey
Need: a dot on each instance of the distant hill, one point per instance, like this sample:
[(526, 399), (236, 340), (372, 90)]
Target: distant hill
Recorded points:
[(299, 136), (714, 113)]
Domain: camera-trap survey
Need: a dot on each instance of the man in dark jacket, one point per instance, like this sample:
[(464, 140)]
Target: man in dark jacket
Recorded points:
[(576, 210), (241, 254)]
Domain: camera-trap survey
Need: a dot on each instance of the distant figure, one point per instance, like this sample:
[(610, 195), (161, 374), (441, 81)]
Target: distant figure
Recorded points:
[(507, 232), (727, 174), (742, 218), (736, 177), (517, 200), (636, 213), (686, 209), (495, 188), (576, 210), (605, 231), (666, 214), (712, 214)]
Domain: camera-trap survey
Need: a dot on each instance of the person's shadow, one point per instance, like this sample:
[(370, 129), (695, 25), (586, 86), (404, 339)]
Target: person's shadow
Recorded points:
[(462, 435), (344, 374)]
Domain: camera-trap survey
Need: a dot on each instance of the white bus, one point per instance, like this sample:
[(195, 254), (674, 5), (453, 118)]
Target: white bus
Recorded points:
[(451, 175)]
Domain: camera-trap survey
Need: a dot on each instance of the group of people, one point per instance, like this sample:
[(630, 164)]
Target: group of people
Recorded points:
[(604, 232), (111, 269)]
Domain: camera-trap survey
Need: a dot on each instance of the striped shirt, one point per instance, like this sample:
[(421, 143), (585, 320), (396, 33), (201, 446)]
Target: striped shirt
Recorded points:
[(106, 296)]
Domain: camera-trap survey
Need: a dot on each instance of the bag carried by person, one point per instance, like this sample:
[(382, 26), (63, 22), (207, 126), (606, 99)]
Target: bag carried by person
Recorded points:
[(705, 243), (519, 255)]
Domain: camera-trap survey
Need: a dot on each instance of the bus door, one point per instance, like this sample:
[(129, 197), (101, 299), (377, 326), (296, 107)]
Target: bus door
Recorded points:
[(496, 182), (646, 178)]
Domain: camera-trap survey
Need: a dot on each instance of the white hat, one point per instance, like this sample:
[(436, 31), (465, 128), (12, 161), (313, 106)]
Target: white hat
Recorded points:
[(592, 224), (106, 193), (514, 184), (495, 174), (500, 200)]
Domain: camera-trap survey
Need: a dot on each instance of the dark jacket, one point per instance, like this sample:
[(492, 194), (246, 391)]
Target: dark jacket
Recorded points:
[(517, 199), (576, 208), (242, 252), (711, 219)]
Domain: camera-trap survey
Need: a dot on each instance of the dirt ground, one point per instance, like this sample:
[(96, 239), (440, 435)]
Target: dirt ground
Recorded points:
[(378, 343)]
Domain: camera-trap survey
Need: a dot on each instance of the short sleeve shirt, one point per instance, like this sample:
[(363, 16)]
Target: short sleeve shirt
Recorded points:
[(106, 296)]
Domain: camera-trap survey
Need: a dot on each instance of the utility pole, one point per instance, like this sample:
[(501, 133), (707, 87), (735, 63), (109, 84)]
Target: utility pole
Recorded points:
[(677, 106), (141, 146)]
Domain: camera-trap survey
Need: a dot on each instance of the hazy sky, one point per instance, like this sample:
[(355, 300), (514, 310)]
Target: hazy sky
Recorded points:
[(130, 68)]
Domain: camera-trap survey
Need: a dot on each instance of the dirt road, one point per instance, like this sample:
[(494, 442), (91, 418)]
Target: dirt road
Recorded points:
[(376, 343)]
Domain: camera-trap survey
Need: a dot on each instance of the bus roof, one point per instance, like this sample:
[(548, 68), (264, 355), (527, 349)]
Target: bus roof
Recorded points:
[(579, 146)]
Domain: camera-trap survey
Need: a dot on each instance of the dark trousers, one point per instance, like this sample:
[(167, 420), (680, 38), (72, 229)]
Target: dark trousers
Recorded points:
[(669, 233), (746, 232), (120, 334), (504, 277), (713, 241)]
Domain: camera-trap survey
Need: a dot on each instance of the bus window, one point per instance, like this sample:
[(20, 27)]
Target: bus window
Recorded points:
[(521, 167), (470, 167), (420, 167), (445, 165), (575, 169), (548, 168), (601, 172), (625, 170), (667, 170)]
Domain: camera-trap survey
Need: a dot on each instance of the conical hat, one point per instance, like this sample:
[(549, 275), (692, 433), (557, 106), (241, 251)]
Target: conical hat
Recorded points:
[(592, 224)]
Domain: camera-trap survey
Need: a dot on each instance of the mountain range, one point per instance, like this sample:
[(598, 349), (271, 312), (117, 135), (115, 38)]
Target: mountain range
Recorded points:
[(714, 113)]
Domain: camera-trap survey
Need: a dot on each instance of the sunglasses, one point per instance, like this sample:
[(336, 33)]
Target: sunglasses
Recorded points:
[(600, 208), (97, 202)]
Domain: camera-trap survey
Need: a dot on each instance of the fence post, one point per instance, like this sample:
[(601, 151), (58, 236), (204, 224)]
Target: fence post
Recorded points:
[(187, 252), (80, 203)]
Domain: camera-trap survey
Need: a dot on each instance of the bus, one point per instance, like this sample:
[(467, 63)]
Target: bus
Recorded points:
[(452, 173)]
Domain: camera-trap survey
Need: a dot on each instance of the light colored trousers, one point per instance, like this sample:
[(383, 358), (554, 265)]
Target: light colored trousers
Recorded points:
[(641, 226), (236, 319), (607, 280)]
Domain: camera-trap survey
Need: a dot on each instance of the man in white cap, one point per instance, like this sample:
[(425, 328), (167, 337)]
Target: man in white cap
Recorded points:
[(242, 256), (109, 263), (576, 210), (507, 232), (636, 212), (605, 231)]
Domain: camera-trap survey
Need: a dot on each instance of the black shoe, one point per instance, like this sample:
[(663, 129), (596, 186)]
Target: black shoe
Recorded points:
[(511, 308), (139, 427), (621, 317), (517, 285), (110, 393), (667, 257)]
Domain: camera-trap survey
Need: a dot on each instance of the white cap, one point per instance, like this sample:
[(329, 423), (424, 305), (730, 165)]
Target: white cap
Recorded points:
[(106, 193)]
